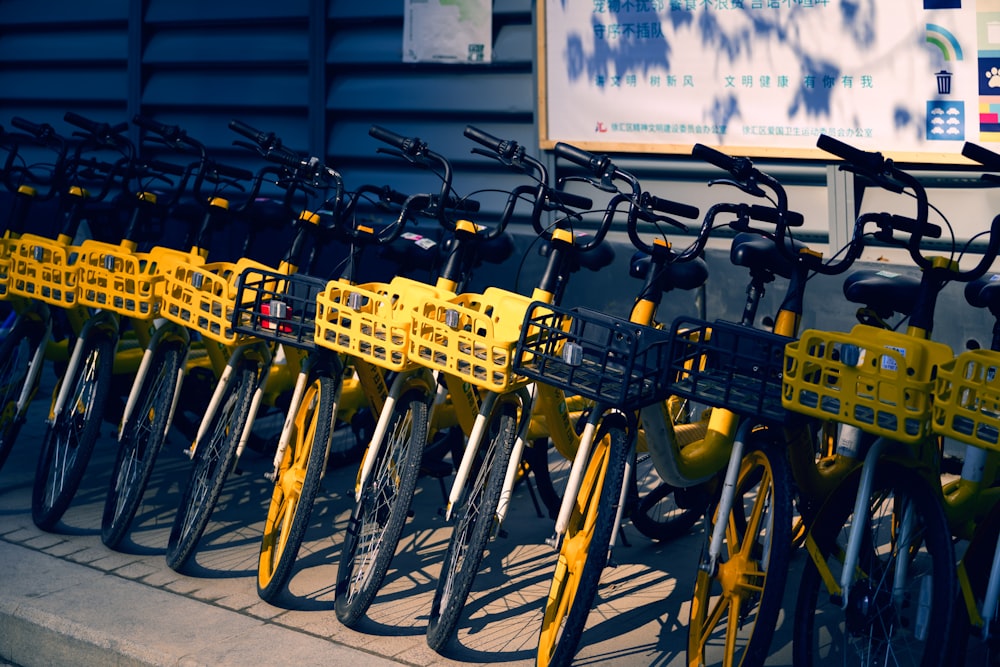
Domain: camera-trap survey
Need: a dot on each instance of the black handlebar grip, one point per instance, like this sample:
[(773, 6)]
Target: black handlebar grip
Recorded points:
[(154, 126), (387, 136), (571, 200), (712, 156), (910, 226), (484, 138), (870, 161), (577, 155), (76, 119), (27, 126), (983, 156), (673, 208), (770, 214), (250, 133)]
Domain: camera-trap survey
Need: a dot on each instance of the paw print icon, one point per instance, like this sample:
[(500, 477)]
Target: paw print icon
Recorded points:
[(993, 77)]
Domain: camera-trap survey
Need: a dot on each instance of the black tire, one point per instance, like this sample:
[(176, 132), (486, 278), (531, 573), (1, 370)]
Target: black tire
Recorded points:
[(382, 507), (656, 511), (214, 459), (69, 441), (297, 485), (911, 629), (141, 441), (16, 352), (749, 579), (475, 522), (583, 553)]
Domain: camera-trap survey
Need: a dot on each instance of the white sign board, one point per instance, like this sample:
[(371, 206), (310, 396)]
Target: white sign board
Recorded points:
[(911, 78)]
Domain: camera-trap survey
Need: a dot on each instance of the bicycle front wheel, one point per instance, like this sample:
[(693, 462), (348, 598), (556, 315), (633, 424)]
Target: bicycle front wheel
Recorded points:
[(583, 553), (142, 438), (382, 508), (297, 485), (214, 458), (16, 352), (734, 609), (899, 606), (70, 438), (474, 524)]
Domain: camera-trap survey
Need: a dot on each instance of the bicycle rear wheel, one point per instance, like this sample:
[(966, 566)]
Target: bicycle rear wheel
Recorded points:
[(888, 620), (142, 438), (474, 524), (657, 510), (16, 351), (734, 610), (69, 440), (214, 458), (297, 484), (583, 553), (382, 507)]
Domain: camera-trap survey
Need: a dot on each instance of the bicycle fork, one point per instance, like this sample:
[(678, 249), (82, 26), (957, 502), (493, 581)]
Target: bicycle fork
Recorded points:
[(215, 403), (65, 390), (726, 499), (576, 473)]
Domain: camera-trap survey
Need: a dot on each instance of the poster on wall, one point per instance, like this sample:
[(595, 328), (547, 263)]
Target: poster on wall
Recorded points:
[(913, 79), (448, 31)]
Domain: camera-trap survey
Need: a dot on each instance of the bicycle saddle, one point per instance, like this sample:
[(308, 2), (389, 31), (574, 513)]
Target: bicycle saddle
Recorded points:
[(885, 292), (984, 292), (676, 275), (759, 252)]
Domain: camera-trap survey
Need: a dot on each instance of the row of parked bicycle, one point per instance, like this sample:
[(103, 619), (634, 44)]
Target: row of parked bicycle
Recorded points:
[(776, 437)]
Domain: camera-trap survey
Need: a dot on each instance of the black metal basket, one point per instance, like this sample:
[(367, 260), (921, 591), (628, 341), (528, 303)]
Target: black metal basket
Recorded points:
[(728, 365), (594, 355), (277, 307)]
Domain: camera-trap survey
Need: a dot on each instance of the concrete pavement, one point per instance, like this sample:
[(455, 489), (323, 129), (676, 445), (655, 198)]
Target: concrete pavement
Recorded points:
[(66, 599)]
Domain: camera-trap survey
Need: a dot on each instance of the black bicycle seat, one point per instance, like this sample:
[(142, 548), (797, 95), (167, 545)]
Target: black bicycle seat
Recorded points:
[(759, 252), (984, 292), (677, 275), (885, 292)]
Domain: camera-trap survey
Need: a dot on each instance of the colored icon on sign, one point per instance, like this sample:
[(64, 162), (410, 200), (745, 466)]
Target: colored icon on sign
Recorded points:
[(945, 121), (945, 41)]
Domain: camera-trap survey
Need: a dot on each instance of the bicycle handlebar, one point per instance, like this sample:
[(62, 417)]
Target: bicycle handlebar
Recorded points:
[(884, 173), (642, 205)]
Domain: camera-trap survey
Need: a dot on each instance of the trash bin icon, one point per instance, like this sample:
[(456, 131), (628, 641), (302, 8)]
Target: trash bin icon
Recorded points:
[(944, 82)]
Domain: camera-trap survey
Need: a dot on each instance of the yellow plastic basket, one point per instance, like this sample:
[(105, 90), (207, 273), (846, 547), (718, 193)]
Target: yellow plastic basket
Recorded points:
[(877, 380), (113, 278), (202, 296), (44, 269), (967, 399), (6, 258), (471, 336), (371, 321)]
